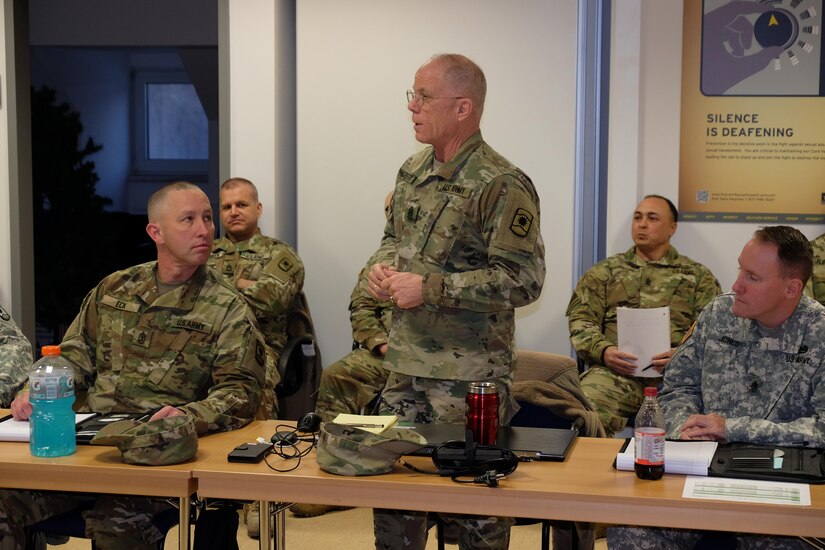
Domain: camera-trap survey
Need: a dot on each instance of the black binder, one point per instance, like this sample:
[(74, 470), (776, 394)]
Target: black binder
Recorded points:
[(743, 460)]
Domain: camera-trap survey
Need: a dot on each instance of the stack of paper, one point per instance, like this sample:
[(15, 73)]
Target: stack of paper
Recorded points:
[(371, 423), (681, 457)]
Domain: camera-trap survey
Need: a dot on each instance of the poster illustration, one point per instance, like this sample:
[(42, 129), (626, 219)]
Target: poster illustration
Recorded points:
[(753, 112)]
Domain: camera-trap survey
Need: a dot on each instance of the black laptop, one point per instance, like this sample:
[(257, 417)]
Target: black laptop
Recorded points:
[(533, 443)]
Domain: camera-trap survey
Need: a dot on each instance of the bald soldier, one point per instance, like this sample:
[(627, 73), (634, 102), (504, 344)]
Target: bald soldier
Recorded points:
[(650, 274), (170, 335), (15, 358), (267, 272), (465, 250)]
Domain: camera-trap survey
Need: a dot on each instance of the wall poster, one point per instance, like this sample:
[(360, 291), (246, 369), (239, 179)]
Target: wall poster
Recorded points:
[(753, 112)]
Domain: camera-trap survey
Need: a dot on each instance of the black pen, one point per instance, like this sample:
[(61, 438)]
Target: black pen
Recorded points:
[(361, 425), (650, 366)]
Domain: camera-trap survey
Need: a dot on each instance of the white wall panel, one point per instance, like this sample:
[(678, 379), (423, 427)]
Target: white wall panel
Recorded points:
[(355, 60)]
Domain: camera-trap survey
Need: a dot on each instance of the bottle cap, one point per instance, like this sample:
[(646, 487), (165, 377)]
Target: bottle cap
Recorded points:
[(651, 391), (482, 387), (50, 351)]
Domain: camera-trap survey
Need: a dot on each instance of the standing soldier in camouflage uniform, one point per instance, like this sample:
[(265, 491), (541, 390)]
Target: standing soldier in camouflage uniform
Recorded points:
[(650, 274), (15, 358), (267, 272), (752, 370), (816, 286), (466, 250), (169, 335)]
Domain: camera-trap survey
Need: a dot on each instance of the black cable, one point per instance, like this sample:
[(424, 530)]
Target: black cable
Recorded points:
[(287, 444)]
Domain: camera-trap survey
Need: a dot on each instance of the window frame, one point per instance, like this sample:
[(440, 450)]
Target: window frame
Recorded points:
[(141, 163)]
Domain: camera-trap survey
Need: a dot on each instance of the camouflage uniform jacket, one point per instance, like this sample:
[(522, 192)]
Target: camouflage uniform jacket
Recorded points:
[(770, 389), (625, 280), (15, 358), (196, 348), (470, 226), (278, 274), (816, 286), (370, 318)]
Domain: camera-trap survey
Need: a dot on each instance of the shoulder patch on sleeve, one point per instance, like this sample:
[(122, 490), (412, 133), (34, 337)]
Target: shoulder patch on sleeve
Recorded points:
[(286, 265), (688, 333), (518, 226)]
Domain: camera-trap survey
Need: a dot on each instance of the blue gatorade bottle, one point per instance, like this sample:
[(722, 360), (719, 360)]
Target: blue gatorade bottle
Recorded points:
[(51, 393)]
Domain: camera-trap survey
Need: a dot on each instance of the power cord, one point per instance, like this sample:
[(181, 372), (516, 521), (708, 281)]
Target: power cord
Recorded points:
[(290, 443)]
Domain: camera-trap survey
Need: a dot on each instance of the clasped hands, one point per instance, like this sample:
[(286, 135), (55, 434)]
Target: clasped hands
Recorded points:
[(404, 289)]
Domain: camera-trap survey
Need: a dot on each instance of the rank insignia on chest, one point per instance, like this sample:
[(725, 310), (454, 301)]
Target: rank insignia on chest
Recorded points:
[(141, 338), (412, 213), (521, 223)]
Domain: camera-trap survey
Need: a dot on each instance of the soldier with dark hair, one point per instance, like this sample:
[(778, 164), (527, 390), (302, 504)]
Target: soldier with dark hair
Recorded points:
[(463, 249), (15, 358), (752, 370), (650, 274), (169, 335)]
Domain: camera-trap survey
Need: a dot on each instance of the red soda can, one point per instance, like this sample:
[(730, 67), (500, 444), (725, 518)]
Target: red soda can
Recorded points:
[(481, 417)]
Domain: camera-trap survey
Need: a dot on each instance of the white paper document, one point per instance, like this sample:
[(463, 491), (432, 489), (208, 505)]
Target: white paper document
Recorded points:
[(18, 430), (681, 457), (644, 333), (747, 490)]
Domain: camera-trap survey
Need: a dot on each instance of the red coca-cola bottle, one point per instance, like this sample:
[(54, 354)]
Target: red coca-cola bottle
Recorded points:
[(481, 417), (649, 438)]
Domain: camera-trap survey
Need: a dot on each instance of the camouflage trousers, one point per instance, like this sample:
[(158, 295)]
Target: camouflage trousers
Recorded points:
[(428, 400), (350, 384), (615, 397), (638, 538), (115, 522)]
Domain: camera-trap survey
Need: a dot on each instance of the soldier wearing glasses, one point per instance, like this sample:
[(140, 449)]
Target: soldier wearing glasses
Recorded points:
[(464, 250)]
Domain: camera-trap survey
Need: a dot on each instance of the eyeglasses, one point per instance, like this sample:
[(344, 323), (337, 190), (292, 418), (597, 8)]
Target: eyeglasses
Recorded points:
[(420, 97)]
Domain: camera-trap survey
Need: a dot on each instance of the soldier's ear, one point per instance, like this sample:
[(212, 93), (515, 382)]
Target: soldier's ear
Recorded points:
[(793, 287), (153, 230)]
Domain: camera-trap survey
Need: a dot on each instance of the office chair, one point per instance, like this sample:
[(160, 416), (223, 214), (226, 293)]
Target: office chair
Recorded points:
[(299, 364)]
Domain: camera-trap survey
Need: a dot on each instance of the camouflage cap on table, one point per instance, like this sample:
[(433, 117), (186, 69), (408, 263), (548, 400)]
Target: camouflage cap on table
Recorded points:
[(350, 451), (169, 440)]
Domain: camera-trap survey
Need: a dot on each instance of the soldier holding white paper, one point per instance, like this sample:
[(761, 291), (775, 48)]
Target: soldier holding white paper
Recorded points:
[(650, 274)]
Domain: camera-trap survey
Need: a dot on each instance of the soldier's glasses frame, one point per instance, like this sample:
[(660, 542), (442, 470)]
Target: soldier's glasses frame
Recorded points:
[(420, 97)]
